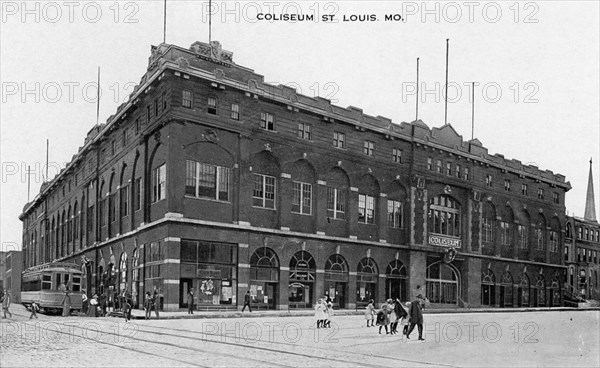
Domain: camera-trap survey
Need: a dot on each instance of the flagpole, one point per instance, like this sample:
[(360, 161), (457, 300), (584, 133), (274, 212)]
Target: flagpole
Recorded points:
[(47, 154), (28, 182), (473, 111), (98, 102), (209, 21), (165, 22), (417, 107), (446, 97)]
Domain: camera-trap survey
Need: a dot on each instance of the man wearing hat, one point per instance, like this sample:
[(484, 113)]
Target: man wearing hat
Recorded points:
[(416, 316)]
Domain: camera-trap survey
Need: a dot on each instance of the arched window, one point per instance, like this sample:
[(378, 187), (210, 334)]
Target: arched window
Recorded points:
[(444, 216), (540, 233), (395, 206), (523, 229), (488, 288), (264, 265), (395, 280), (523, 291), (303, 181), (442, 281), (264, 177), (62, 234), (366, 281), (540, 291), (488, 223), (75, 222), (506, 290), (337, 194), (367, 200), (302, 267), (123, 273), (336, 268), (569, 230)]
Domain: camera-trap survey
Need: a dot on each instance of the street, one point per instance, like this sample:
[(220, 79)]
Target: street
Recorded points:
[(542, 338)]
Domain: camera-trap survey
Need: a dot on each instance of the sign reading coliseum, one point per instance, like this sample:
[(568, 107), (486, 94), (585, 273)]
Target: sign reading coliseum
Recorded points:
[(443, 241)]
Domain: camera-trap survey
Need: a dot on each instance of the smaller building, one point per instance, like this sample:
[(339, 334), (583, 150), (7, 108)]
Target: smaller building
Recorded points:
[(11, 266)]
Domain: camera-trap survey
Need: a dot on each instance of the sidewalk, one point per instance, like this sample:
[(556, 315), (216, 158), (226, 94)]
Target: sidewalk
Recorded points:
[(139, 314)]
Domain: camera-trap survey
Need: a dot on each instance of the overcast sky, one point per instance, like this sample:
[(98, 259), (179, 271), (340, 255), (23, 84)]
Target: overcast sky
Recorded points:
[(536, 66)]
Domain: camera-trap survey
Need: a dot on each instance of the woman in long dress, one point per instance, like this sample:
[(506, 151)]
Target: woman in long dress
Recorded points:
[(66, 303), (320, 313), (370, 313)]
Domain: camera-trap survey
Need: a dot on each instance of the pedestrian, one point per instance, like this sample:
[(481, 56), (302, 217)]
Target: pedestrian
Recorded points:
[(34, 308), (190, 301), (320, 313), (6, 304), (84, 302), (102, 302), (328, 315), (383, 316), (393, 316), (66, 303), (147, 305), (128, 304), (416, 316), (155, 302), (405, 320), (247, 299), (399, 314), (93, 309), (370, 313)]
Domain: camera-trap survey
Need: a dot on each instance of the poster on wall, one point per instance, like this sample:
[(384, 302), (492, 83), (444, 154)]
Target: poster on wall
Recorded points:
[(362, 293), (253, 290)]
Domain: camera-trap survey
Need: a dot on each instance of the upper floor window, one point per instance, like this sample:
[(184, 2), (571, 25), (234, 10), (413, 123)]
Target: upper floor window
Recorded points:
[(539, 238), (212, 105), (263, 194), (524, 189), (157, 106), (339, 140), (137, 126), (457, 171), (587, 235), (553, 241), (438, 166), (164, 100), (394, 213), (148, 110), (336, 203), (487, 229), (366, 209), (397, 155), (489, 180), (302, 198), (429, 163), (523, 238), (555, 197), (207, 181), (187, 98), (159, 183), (235, 111), (579, 232), (304, 131), (540, 193), (266, 121), (125, 137), (466, 173), (507, 185), (368, 148), (504, 233), (444, 216), (448, 168)]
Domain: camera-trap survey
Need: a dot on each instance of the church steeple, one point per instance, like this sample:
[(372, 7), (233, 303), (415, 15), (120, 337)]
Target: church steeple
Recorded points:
[(590, 203)]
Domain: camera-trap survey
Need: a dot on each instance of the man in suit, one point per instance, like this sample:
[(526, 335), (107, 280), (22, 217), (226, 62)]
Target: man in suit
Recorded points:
[(190, 301), (6, 304), (247, 301), (416, 316)]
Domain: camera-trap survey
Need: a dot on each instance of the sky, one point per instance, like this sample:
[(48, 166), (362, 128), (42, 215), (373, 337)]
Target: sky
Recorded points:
[(535, 66)]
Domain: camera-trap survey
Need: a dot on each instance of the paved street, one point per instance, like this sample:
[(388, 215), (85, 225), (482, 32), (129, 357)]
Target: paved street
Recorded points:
[(556, 338)]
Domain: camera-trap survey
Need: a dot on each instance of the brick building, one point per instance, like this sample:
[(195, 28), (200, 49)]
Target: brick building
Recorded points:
[(209, 178), (582, 250), (11, 265)]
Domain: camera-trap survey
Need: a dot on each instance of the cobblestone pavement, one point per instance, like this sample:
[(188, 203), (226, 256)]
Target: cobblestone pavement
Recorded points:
[(551, 338)]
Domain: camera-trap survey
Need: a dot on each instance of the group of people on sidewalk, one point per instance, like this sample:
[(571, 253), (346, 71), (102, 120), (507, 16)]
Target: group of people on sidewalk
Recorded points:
[(393, 312), (324, 312)]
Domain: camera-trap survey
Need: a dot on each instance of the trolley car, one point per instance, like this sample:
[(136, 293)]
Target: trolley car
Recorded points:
[(46, 285)]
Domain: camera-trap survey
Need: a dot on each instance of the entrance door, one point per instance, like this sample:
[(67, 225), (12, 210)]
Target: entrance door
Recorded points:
[(184, 286), (392, 288)]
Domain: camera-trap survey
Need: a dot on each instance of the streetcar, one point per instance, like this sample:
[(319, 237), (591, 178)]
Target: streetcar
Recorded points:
[(46, 285)]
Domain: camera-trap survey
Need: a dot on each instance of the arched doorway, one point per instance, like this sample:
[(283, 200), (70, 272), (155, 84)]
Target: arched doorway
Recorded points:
[(123, 280), (367, 275), (442, 283), (539, 292), (336, 279), (506, 290), (555, 292), (523, 291), (264, 277), (488, 288), (135, 288), (302, 279), (395, 281)]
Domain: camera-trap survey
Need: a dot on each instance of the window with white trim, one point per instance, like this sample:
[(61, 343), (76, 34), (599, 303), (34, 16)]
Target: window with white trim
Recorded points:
[(394, 213), (263, 194), (368, 148), (397, 155), (366, 209), (304, 131), (212, 105), (336, 203), (159, 183), (302, 198), (523, 237), (339, 140), (207, 181), (235, 111), (186, 98), (267, 121)]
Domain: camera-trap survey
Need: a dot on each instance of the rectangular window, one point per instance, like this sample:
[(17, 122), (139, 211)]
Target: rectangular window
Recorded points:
[(523, 240), (124, 201), (148, 109), (164, 101), (524, 189), (438, 166), (504, 233), (368, 148), (304, 131), (507, 185), (125, 137), (487, 229), (554, 241), (235, 111), (267, 121), (207, 181), (112, 208), (429, 163), (448, 168), (489, 180), (396, 155), (302, 198), (159, 183), (466, 173), (187, 98), (457, 172), (157, 105), (366, 209), (212, 106), (137, 202), (555, 197), (90, 219), (339, 140), (263, 194), (113, 148), (540, 193), (394, 214), (336, 203), (539, 239)]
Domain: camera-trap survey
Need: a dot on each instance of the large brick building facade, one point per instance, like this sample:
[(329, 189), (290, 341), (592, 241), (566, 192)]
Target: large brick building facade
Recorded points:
[(209, 178)]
